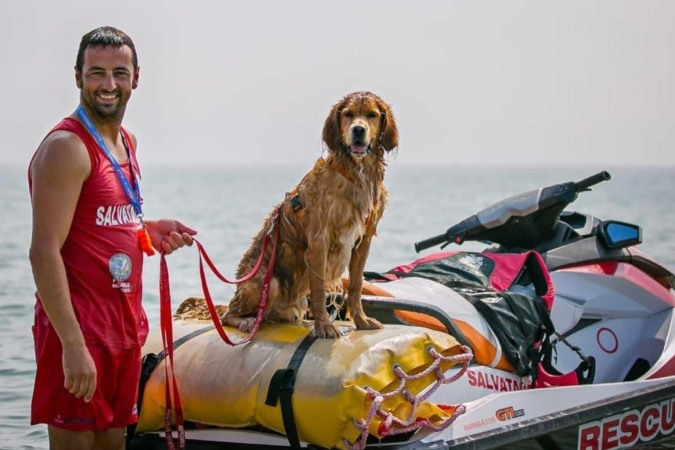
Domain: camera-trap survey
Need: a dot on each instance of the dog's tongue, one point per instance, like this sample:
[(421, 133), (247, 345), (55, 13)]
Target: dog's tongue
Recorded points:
[(359, 149)]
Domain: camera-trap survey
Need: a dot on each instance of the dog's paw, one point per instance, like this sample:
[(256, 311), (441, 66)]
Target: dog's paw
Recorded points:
[(326, 329), (367, 323), (246, 325)]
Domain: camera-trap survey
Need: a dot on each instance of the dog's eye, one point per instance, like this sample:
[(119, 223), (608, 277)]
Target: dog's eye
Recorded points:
[(348, 114), (372, 115)]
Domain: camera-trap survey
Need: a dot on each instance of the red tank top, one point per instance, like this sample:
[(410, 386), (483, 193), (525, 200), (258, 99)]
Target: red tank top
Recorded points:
[(102, 255)]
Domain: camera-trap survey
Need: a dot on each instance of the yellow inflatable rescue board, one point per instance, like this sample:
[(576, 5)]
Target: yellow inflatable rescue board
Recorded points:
[(373, 382)]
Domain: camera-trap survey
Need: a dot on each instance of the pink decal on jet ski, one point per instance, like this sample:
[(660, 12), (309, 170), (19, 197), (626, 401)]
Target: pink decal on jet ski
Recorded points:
[(629, 428), (630, 273), (602, 268), (607, 340)]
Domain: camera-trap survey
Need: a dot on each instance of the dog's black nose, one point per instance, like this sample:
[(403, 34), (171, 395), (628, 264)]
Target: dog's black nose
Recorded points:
[(358, 132)]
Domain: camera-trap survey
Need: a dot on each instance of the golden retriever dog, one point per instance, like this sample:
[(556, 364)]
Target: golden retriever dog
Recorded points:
[(326, 224)]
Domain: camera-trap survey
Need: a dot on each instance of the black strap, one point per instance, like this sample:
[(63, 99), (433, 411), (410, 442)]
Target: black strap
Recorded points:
[(282, 386), (148, 364), (536, 273), (586, 370)]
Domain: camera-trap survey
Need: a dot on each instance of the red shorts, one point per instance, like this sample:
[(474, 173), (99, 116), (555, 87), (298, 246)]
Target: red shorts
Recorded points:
[(114, 402)]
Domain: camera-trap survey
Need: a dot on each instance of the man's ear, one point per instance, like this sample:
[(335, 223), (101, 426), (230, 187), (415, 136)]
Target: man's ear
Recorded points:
[(137, 72), (78, 78)]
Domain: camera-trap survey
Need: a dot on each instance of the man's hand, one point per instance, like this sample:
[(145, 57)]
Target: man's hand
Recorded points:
[(168, 235), (79, 371)]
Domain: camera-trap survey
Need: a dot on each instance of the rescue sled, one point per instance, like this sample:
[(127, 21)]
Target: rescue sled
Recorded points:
[(570, 329)]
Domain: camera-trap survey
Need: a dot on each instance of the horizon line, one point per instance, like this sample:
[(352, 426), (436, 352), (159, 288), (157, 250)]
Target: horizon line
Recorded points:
[(420, 164)]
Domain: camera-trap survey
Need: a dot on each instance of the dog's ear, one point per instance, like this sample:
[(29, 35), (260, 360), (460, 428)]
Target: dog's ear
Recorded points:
[(332, 135), (389, 132)]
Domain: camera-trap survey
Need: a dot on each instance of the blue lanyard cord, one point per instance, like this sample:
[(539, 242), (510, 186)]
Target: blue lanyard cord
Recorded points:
[(133, 193)]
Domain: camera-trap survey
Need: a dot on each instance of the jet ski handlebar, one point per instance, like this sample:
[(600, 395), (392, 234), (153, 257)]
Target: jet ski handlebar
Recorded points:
[(487, 224), (592, 181), (431, 242)]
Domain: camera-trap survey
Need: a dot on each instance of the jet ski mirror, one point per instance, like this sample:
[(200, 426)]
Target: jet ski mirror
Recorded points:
[(616, 234)]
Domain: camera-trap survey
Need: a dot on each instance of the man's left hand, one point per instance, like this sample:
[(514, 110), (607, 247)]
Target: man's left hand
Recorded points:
[(168, 235)]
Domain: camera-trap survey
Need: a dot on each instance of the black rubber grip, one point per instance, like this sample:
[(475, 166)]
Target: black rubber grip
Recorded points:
[(592, 180), (431, 242)]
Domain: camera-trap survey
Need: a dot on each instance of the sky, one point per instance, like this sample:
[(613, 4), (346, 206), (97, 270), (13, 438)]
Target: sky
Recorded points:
[(470, 82)]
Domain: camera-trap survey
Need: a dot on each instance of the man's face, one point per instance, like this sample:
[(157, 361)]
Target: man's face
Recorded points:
[(106, 81)]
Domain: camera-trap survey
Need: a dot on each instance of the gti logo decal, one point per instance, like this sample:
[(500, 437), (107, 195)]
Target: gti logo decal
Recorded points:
[(509, 413)]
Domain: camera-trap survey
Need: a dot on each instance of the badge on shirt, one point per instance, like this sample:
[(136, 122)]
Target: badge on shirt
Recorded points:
[(120, 266)]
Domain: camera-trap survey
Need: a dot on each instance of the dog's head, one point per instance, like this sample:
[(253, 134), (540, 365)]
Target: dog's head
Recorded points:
[(360, 124)]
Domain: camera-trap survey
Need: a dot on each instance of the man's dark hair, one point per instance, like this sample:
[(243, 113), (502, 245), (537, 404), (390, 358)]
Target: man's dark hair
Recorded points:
[(104, 36)]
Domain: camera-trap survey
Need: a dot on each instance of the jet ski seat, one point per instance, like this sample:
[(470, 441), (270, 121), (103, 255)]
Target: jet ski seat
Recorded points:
[(409, 301)]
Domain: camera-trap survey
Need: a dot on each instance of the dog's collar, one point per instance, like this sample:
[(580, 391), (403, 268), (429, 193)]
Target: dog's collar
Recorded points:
[(339, 169)]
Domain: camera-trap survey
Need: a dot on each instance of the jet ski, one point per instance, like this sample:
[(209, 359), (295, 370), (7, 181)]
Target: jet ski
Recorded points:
[(570, 329)]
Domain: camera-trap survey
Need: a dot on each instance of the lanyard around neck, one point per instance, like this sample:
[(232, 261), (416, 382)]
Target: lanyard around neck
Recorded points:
[(132, 192)]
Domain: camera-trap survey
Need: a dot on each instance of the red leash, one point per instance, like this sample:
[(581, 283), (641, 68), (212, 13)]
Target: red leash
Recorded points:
[(166, 321), (167, 341), (265, 287)]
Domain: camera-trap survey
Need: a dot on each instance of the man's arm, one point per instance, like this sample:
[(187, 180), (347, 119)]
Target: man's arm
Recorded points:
[(60, 168)]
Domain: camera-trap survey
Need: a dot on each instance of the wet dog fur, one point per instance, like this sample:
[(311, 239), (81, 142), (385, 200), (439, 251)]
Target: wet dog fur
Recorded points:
[(342, 200)]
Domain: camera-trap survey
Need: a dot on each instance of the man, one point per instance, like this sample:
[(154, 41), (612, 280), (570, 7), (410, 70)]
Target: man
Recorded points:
[(87, 255)]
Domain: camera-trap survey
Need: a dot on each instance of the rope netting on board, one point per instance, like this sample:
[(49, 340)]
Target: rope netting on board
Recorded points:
[(391, 424)]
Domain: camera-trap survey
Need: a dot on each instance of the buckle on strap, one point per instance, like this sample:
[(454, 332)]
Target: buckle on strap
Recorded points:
[(296, 204)]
